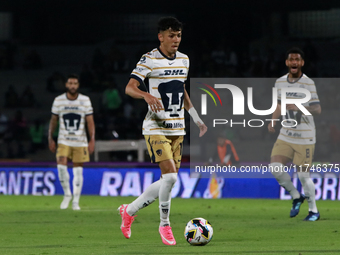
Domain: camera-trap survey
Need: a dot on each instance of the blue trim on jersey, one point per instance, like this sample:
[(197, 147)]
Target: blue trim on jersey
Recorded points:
[(89, 114), (141, 82), (153, 158), (166, 56)]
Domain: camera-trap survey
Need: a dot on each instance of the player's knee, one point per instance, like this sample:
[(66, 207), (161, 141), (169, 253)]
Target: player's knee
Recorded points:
[(170, 178), (63, 173), (276, 169), (62, 160), (167, 166)]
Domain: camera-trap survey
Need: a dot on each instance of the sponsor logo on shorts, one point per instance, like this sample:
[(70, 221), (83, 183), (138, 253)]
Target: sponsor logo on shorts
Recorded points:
[(159, 152), (158, 142)]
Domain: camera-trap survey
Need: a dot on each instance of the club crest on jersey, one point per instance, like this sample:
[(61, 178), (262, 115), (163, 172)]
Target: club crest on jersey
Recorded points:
[(173, 72)]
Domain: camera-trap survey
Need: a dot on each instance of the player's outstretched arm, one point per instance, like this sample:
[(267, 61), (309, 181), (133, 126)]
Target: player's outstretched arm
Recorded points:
[(51, 128), (132, 90), (193, 113), (92, 130)]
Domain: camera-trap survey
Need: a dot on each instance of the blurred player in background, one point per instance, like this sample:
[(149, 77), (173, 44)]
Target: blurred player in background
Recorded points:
[(163, 127), (296, 144), (226, 151), (72, 109)]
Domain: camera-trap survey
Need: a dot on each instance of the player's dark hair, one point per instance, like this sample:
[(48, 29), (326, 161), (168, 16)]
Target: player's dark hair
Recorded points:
[(169, 22), (295, 50), (72, 76)]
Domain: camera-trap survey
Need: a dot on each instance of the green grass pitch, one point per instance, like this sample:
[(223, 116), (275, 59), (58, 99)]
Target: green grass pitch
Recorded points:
[(36, 225)]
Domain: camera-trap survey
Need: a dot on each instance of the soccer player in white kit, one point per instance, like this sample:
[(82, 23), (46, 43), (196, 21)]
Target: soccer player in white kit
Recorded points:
[(296, 144), (73, 110), (164, 126)]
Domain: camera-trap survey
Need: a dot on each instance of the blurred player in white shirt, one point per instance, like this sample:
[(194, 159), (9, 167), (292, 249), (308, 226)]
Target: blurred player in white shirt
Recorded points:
[(72, 110), (164, 126), (296, 144)]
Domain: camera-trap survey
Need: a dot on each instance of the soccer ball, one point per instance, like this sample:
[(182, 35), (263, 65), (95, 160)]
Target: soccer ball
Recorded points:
[(198, 231)]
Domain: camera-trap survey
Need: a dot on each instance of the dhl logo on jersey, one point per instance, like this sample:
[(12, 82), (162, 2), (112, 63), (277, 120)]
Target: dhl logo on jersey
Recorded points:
[(173, 72), (291, 94)]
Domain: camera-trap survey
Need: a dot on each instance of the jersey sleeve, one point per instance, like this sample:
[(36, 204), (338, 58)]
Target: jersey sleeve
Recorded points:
[(314, 95), (187, 64), (278, 87), (89, 108), (55, 108), (143, 68)]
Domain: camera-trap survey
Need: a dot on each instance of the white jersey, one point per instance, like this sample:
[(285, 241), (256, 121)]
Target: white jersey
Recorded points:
[(304, 132), (166, 82), (72, 119)]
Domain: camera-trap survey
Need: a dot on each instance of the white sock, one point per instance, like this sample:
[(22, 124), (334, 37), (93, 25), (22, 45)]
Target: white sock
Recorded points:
[(284, 179), (64, 179), (77, 183), (167, 182), (309, 189), (147, 197)]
